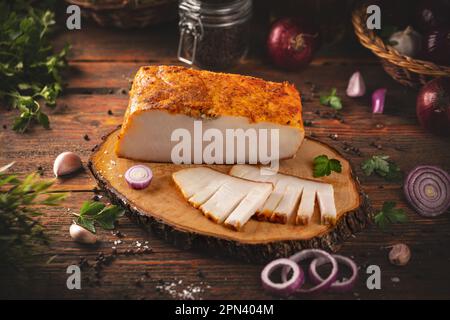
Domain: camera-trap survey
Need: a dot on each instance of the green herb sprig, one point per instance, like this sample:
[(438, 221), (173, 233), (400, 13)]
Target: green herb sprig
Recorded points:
[(30, 73), (21, 203), (389, 215), (331, 100), (94, 213), (383, 167), (323, 166)]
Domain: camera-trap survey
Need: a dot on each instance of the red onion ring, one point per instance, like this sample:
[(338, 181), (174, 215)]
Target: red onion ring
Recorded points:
[(337, 286), (287, 286), (313, 253), (139, 176), (427, 189)]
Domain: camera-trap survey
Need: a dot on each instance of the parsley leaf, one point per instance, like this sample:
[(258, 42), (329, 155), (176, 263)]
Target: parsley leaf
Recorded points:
[(30, 73), (331, 100), (323, 166), (389, 214), (382, 166), (96, 213)]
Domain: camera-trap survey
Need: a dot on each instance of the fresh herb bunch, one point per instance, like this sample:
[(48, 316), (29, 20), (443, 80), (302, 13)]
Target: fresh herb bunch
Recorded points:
[(332, 100), (30, 73), (382, 166), (20, 205), (96, 213), (389, 214), (323, 166)]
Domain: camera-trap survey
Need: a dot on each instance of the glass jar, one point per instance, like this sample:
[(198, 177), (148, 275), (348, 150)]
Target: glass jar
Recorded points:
[(214, 34)]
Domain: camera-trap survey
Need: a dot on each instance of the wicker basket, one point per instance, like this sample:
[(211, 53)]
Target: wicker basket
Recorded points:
[(128, 13), (408, 71)]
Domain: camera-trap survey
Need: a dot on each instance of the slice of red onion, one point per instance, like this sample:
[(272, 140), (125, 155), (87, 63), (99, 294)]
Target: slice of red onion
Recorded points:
[(427, 189), (314, 253), (139, 176), (286, 287), (378, 98), (337, 286)]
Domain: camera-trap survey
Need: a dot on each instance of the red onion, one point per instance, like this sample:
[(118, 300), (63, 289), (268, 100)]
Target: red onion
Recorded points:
[(292, 43), (432, 14), (337, 286), (356, 86), (433, 106), (427, 189), (436, 46), (314, 253), (139, 176), (286, 287), (378, 98)]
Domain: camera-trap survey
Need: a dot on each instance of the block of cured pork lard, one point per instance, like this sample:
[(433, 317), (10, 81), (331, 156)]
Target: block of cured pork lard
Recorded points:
[(181, 115), (292, 199), (221, 197)]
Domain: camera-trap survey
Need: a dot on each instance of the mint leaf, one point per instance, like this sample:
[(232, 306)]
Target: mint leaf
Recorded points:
[(88, 224), (91, 208), (94, 213), (108, 216), (331, 100), (323, 166)]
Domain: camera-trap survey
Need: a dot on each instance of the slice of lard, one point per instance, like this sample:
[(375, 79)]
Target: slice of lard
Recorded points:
[(291, 195), (221, 197)]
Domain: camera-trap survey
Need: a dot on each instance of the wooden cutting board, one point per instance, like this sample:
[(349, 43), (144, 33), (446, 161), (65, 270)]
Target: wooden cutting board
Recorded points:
[(162, 208)]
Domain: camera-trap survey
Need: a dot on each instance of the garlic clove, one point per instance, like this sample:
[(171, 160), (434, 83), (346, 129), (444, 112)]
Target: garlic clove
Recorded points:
[(399, 254), (66, 163), (82, 235), (356, 86)]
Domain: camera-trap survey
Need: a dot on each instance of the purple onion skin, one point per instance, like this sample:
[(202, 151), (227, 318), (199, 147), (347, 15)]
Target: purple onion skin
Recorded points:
[(436, 46), (433, 106), (432, 15), (411, 186), (287, 53), (335, 287)]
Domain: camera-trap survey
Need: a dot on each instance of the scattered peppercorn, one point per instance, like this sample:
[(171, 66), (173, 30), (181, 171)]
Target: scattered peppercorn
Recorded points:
[(110, 112), (86, 137), (200, 274), (333, 136), (308, 123), (40, 170)]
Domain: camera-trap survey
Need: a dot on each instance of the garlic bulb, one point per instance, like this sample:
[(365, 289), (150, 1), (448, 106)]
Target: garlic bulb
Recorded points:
[(399, 254), (81, 235), (407, 42), (356, 86), (66, 163)]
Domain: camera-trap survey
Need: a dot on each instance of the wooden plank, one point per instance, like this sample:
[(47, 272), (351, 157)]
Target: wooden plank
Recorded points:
[(224, 276), (103, 61)]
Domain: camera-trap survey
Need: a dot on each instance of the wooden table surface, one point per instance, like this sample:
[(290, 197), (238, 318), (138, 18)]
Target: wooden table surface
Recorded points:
[(102, 63)]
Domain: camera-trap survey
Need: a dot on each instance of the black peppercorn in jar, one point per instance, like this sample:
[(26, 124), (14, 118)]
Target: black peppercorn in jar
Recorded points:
[(214, 34)]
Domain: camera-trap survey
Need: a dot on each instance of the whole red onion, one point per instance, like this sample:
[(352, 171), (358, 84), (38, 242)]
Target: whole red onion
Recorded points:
[(437, 46), (433, 106), (432, 15), (292, 43)]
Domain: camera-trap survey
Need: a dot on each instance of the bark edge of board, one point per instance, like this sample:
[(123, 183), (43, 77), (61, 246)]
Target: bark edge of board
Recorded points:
[(351, 223)]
